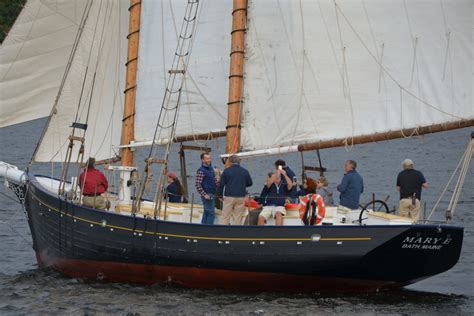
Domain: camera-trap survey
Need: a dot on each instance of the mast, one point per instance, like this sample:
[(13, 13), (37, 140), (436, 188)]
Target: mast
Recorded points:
[(128, 122), (236, 78)]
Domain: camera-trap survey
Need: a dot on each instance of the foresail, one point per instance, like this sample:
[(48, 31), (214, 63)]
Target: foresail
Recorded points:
[(93, 89), (323, 70), (203, 101), (41, 39)]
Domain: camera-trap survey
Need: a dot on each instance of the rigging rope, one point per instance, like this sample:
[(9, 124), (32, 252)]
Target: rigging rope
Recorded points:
[(463, 166), (459, 184), (169, 110), (72, 137), (79, 33)]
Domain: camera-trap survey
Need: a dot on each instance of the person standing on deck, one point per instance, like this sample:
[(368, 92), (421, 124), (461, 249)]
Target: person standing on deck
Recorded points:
[(206, 185), (409, 184), (232, 187), (93, 183), (351, 187)]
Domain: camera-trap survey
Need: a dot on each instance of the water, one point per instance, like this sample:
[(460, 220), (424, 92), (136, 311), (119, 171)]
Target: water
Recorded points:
[(24, 288)]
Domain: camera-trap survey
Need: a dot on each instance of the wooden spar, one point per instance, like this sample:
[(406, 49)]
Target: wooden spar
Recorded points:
[(386, 136), (128, 121), (236, 78), (204, 136), (362, 139)]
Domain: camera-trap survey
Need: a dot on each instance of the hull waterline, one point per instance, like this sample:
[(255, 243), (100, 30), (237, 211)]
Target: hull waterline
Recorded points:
[(91, 244)]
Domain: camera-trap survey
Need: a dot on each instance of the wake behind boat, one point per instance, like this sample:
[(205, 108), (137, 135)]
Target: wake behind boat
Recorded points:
[(173, 90)]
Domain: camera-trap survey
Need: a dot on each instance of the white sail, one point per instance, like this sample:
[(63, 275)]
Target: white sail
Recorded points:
[(203, 102), (320, 70), (101, 52), (40, 39)]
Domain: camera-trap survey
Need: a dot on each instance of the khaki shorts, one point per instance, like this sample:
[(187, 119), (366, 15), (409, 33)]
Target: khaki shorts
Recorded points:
[(270, 211), (407, 209), (98, 202)]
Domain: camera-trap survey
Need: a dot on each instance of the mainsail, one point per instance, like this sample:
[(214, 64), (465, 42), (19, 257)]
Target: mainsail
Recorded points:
[(323, 70), (203, 100), (34, 56)]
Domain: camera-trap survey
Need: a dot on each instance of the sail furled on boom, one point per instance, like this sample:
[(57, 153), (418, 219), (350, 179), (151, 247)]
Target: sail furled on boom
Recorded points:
[(93, 87), (203, 100), (41, 40), (323, 70)]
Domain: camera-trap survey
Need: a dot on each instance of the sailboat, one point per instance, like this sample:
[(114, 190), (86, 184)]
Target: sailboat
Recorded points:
[(113, 76)]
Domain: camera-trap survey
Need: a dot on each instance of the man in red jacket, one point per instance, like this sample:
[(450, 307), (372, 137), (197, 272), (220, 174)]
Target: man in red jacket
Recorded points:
[(93, 183)]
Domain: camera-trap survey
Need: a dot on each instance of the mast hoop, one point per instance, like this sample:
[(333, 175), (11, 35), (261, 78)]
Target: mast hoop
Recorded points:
[(134, 32), (128, 116), (234, 126), (235, 102), (131, 60), (129, 88), (239, 9), (237, 52), (239, 30), (134, 5)]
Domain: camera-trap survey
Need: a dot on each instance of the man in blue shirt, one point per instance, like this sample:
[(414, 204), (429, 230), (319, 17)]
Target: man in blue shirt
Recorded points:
[(274, 196), (352, 185), (232, 187)]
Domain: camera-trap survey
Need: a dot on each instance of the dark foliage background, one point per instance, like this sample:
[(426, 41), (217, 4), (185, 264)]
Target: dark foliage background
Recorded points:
[(9, 10)]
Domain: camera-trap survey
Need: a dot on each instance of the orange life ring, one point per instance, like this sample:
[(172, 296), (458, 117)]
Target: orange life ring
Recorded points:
[(307, 206)]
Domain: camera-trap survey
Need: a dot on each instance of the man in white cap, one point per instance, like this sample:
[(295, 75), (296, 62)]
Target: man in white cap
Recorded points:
[(409, 184)]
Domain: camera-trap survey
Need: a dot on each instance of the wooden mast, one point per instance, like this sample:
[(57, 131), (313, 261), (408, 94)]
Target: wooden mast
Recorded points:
[(236, 78), (128, 122)]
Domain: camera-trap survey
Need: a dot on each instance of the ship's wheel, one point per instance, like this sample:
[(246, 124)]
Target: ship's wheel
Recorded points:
[(375, 205)]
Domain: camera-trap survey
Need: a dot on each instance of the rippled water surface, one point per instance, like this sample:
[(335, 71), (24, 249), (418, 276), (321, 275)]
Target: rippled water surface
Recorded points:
[(25, 289)]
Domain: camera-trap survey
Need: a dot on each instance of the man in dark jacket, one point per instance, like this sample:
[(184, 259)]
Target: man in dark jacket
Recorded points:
[(280, 164), (351, 187), (409, 184), (232, 187), (274, 196), (206, 185)]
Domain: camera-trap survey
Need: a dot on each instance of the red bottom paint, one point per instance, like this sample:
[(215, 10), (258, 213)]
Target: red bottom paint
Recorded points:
[(207, 278)]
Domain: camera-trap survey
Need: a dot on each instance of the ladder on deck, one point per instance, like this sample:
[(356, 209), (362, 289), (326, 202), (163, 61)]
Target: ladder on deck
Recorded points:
[(169, 110)]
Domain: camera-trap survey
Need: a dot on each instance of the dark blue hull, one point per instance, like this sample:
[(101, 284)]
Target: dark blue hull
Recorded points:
[(88, 243)]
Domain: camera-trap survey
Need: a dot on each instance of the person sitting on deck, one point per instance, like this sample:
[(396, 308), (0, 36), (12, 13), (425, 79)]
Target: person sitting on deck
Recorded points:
[(174, 190), (93, 184), (303, 189), (322, 188), (351, 187), (280, 164), (274, 196)]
